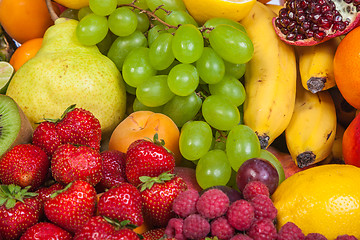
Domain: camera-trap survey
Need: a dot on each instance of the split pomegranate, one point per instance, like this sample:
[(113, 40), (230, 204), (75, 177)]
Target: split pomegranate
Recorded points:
[(310, 22)]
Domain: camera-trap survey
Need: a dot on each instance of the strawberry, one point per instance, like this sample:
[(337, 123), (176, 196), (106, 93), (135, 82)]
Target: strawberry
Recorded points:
[(46, 192), (45, 231), (24, 165), (147, 158), (70, 162), (122, 203), (19, 210), (76, 125), (105, 228), (158, 194), (72, 206), (154, 234), (113, 168)]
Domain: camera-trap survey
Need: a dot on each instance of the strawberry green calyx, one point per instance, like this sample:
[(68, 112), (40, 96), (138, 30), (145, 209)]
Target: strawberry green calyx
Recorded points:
[(61, 190), (10, 194), (67, 110), (159, 142), (148, 182)]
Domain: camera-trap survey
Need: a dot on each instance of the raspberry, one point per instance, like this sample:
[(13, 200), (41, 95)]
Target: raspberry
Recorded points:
[(346, 237), (174, 228), (196, 227), (240, 236), (289, 231), (213, 203), (254, 188), (185, 203), (262, 229), (221, 228), (315, 236), (241, 214), (263, 207)]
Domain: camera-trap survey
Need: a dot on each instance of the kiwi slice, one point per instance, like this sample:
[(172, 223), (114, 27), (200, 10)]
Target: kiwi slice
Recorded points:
[(15, 127)]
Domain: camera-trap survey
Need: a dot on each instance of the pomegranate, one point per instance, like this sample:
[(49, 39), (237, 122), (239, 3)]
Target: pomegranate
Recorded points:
[(310, 22)]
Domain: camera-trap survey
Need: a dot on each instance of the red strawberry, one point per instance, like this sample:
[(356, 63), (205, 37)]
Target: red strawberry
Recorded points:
[(104, 228), (154, 234), (46, 231), (147, 158), (158, 194), (24, 165), (70, 162), (72, 206), (19, 210), (122, 203), (76, 125), (113, 168)]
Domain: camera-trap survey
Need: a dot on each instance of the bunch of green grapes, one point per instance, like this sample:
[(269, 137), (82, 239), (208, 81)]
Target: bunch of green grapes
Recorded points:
[(189, 72)]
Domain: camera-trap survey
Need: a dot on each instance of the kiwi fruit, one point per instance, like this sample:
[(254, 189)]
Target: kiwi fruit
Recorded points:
[(15, 127)]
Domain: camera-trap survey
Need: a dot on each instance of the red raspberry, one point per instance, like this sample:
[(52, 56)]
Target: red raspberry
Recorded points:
[(346, 237), (221, 228), (262, 229), (241, 214), (289, 231), (174, 228), (315, 236), (196, 227), (185, 203), (213, 203), (254, 188), (264, 207), (241, 236)]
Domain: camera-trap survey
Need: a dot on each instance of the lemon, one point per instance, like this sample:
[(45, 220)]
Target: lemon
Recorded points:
[(323, 199), (6, 73), (73, 4), (203, 10)]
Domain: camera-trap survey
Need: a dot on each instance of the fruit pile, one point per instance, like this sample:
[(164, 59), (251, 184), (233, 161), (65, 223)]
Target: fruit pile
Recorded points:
[(179, 119)]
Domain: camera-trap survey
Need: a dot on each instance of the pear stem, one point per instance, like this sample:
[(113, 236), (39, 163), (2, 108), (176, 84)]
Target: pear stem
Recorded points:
[(52, 12)]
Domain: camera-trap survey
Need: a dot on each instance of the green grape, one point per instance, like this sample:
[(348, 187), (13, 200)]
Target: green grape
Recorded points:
[(160, 54), (220, 113), (154, 91), (231, 44), (210, 66), (92, 29), (137, 68), (143, 22), (265, 154), (235, 70), (102, 7), (121, 47), (213, 22), (138, 106), (168, 5), (241, 145), (140, 3), (231, 88), (195, 139), (122, 22), (83, 12), (70, 13), (180, 17), (154, 32), (105, 44), (182, 109), (213, 169), (183, 79), (187, 44)]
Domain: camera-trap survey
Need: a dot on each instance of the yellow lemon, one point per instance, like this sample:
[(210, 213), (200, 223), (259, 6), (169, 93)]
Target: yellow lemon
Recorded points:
[(73, 4), (323, 199), (203, 10)]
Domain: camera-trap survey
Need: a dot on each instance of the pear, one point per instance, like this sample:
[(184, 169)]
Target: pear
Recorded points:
[(65, 72)]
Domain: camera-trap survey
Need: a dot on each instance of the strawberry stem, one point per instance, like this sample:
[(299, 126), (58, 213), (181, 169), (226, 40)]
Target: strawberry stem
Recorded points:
[(10, 194), (148, 182)]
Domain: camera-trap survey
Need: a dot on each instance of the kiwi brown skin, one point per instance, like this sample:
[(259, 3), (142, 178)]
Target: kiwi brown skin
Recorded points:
[(25, 133)]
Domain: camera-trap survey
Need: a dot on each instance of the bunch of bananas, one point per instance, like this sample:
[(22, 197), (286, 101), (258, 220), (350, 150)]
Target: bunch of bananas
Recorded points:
[(288, 92)]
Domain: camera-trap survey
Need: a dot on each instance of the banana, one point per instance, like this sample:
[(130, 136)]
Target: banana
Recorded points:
[(270, 78), (316, 65), (336, 155), (311, 132)]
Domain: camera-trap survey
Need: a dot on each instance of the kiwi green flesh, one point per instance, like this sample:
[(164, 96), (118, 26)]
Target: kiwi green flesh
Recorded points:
[(15, 128)]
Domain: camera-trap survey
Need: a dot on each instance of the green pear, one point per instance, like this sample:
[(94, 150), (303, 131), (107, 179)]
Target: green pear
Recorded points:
[(65, 72)]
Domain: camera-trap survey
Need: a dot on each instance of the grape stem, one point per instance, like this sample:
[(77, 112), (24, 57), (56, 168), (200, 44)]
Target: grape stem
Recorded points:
[(51, 10)]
